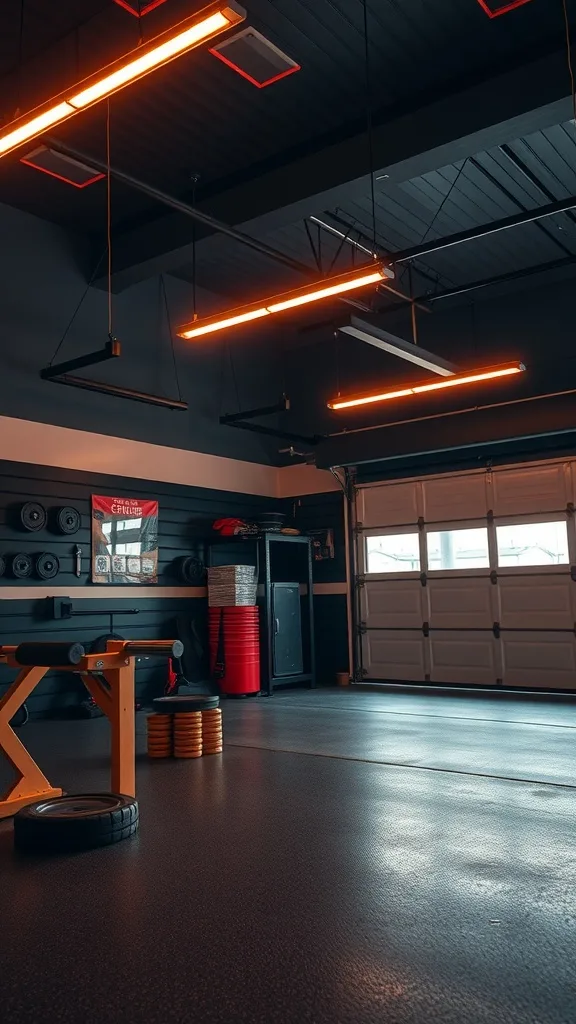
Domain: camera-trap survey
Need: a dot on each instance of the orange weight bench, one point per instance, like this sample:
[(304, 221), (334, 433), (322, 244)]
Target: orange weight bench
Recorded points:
[(109, 677)]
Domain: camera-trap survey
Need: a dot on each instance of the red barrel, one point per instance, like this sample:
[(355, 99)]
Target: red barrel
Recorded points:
[(238, 627)]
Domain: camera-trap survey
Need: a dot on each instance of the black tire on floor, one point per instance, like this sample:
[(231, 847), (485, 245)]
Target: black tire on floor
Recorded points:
[(177, 705), (79, 822)]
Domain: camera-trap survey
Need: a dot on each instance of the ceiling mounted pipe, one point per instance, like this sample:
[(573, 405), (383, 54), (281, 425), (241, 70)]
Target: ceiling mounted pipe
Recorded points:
[(516, 221), (194, 213), (181, 207)]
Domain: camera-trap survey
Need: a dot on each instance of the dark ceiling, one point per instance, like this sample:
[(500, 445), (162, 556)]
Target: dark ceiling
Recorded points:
[(196, 116)]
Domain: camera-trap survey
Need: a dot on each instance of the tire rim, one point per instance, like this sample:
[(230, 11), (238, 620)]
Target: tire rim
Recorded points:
[(74, 806)]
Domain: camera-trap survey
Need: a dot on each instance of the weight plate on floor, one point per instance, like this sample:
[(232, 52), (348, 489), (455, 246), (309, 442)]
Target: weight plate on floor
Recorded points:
[(47, 566), (33, 516), (21, 566), (68, 520), (180, 704), (2, 565)]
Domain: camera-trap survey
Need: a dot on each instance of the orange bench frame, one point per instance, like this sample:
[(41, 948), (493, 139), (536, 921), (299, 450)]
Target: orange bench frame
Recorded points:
[(114, 695)]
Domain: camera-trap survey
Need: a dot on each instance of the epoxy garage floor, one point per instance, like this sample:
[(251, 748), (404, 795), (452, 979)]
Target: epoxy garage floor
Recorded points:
[(352, 858)]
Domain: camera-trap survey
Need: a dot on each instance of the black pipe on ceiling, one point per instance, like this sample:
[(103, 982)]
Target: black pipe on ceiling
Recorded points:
[(181, 207), (470, 235), (486, 282)]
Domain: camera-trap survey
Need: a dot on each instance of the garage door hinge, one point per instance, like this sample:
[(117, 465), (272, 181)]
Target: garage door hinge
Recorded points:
[(570, 508), (359, 581), (499, 682), (427, 677), (426, 628), (421, 523), (423, 579), (362, 628), (490, 516), (573, 573), (496, 629), (494, 577), (358, 527)]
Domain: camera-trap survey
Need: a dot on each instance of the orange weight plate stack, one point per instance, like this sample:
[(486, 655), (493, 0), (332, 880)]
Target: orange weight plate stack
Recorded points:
[(188, 734), (159, 735), (212, 731)]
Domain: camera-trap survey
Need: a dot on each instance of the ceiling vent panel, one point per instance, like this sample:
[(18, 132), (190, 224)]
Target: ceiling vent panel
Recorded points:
[(139, 9), (255, 58), (62, 167), (493, 8)]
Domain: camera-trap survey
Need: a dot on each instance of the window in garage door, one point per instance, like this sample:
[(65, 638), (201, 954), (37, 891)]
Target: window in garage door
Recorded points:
[(532, 544)]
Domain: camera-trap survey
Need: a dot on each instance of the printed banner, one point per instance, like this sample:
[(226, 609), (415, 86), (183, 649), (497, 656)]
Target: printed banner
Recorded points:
[(124, 540)]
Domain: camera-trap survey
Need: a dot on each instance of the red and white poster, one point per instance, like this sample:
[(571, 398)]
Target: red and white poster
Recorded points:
[(124, 540)]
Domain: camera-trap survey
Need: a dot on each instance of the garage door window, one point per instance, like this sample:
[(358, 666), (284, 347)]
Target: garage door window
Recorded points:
[(458, 549), (532, 544), (393, 553)]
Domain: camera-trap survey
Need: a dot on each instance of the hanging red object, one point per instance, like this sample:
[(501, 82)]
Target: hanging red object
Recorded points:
[(139, 9), (494, 8)]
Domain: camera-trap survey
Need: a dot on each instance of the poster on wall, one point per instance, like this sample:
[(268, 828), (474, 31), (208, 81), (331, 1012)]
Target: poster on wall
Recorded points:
[(124, 540)]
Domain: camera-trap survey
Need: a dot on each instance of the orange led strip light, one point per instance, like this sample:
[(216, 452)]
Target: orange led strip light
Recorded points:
[(475, 377), (359, 278), (185, 36)]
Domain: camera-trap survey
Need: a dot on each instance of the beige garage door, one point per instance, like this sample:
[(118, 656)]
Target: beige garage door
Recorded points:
[(469, 578)]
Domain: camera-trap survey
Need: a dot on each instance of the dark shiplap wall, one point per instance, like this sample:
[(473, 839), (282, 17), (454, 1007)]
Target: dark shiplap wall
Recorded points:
[(315, 512), (186, 515)]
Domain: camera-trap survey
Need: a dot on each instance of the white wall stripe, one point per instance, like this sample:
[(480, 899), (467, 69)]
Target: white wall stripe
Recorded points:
[(98, 593), (44, 444), (101, 593)]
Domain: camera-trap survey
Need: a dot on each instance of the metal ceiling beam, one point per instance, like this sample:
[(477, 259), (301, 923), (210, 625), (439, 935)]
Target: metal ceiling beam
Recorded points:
[(438, 130), (483, 230), (193, 212)]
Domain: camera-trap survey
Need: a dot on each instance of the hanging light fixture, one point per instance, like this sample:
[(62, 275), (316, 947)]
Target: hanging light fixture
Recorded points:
[(185, 36), (361, 277), (473, 377)]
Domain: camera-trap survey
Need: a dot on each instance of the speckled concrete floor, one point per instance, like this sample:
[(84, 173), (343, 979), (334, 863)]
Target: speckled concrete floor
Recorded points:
[(352, 858)]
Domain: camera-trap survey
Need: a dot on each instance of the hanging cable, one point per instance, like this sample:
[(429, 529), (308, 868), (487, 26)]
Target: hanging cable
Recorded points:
[(20, 58), (194, 294), (569, 55), (78, 305), (233, 372), (369, 123), (169, 325), (109, 217)]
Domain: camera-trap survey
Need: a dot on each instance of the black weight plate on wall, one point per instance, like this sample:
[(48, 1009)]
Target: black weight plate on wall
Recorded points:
[(2, 565), (21, 566), (68, 520), (47, 566), (193, 571), (33, 516)]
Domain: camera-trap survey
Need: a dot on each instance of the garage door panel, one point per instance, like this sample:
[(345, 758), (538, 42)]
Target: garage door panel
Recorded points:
[(532, 489), (395, 655), (461, 657), (540, 660), (389, 505), (461, 603), (450, 498), (537, 602), (388, 604)]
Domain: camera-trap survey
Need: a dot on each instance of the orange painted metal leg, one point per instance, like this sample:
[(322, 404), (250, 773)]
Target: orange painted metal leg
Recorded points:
[(30, 784), (122, 721)]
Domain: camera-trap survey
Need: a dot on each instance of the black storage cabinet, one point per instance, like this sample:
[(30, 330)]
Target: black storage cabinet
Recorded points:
[(283, 565), (287, 653)]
